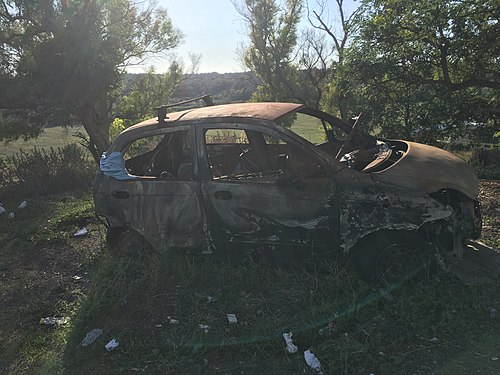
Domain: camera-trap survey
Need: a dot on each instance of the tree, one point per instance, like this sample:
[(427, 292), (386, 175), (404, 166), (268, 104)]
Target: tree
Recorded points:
[(336, 90), (272, 31), (149, 90), (146, 92), (62, 61), (453, 44), (427, 69)]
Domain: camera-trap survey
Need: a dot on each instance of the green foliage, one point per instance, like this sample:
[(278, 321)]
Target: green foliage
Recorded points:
[(62, 61), (448, 43), (42, 172), (273, 37), (117, 126), (485, 162), (427, 70), (329, 47), (146, 92), (224, 88)]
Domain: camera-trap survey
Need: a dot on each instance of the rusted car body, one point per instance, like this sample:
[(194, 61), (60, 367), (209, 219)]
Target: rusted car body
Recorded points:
[(242, 178)]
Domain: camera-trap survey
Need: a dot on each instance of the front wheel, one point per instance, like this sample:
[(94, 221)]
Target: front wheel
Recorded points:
[(394, 257)]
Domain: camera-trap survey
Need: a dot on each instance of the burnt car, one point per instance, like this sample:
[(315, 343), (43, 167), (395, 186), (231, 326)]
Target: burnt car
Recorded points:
[(284, 182)]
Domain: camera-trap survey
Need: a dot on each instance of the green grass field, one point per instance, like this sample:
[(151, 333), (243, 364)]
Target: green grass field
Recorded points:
[(309, 128), (305, 126), (51, 137)]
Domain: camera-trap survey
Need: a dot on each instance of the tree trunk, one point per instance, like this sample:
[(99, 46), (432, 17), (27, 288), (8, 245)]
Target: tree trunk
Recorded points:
[(98, 132), (344, 112)]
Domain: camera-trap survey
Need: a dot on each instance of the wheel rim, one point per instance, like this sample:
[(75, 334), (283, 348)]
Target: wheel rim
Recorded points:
[(398, 262)]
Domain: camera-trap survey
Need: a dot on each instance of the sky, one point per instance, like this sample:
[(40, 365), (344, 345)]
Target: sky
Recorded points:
[(212, 29)]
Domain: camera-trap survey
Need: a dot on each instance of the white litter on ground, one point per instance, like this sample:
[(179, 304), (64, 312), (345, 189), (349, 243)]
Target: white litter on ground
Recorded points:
[(231, 318), (11, 215), (111, 345), (2, 210), (204, 327), (51, 321), (91, 336), (312, 361), (290, 346), (81, 232), (22, 205)]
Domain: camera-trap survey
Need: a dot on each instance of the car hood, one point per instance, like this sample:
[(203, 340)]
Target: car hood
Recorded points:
[(430, 169)]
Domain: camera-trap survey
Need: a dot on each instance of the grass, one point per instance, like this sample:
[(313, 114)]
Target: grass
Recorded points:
[(38, 258), (50, 137), (309, 128), (45, 220), (350, 326), (440, 327)]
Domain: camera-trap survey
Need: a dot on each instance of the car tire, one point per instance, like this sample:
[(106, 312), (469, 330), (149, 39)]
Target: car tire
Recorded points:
[(390, 257)]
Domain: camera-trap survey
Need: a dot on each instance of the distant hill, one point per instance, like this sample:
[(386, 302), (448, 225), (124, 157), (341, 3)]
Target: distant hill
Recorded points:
[(224, 88)]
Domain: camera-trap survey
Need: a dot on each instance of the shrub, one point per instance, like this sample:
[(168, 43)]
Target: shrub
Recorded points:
[(487, 163), (43, 172)]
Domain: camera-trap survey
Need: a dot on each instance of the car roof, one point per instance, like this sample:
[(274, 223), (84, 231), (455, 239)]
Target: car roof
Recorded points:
[(271, 111)]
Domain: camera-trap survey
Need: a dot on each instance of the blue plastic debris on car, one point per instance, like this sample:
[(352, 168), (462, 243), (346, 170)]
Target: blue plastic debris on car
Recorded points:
[(113, 165)]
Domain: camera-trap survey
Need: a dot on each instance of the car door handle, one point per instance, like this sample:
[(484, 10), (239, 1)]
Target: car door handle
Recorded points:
[(223, 194), (120, 194)]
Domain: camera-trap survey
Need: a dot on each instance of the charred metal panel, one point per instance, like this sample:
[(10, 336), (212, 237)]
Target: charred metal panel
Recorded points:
[(265, 213), (367, 207), (166, 213), (342, 206)]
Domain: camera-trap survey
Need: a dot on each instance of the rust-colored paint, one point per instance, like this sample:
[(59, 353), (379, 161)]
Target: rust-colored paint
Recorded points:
[(272, 111), (430, 169)]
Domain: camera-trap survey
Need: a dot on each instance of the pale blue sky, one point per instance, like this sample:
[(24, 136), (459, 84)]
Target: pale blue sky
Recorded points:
[(213, 29)]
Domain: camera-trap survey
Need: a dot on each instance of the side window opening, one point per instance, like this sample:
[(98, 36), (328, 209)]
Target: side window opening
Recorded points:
[(223, 149), (166, 157), (248, 155), (306, 126)]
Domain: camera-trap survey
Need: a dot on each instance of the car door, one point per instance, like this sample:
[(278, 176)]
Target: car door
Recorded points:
[(266, 193), (161, 200)]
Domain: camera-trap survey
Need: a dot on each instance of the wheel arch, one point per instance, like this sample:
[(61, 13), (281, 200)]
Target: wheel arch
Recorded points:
[(116, 234), (366, 253)]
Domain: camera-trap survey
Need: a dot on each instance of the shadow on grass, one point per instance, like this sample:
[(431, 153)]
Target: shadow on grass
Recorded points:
[(134, 301), (169, 315)]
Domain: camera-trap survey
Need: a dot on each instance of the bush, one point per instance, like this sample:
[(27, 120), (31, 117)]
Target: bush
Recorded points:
[(43, 172), (486, 163)]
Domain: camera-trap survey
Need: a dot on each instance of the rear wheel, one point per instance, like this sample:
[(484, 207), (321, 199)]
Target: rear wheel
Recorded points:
[(126, 242), (394, 257)]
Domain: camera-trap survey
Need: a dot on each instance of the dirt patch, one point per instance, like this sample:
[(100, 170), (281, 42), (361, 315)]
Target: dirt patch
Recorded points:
[(39, 282)]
